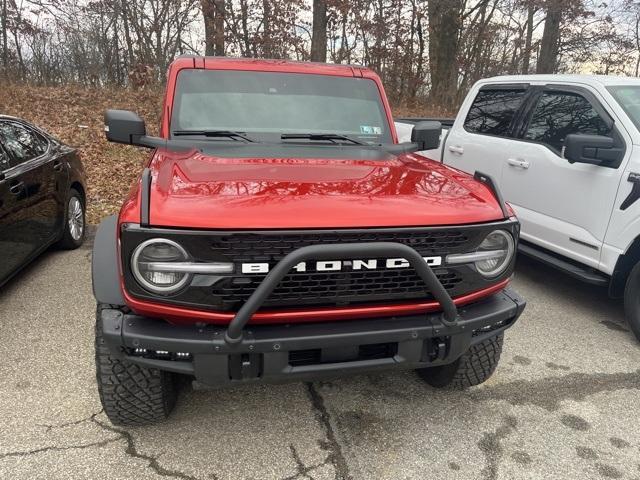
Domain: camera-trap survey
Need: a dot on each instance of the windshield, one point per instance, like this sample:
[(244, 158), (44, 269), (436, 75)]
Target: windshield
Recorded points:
[(628, 96), (279, 103)]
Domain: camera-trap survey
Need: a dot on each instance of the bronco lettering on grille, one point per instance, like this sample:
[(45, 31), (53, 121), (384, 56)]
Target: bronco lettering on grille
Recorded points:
[(339, 265)]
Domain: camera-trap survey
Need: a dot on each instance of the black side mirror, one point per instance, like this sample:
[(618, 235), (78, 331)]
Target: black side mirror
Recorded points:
[(591, 149), (123, 126), (427, 135)]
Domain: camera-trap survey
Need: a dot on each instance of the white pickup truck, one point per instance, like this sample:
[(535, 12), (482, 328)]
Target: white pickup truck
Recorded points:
[(565, 152)]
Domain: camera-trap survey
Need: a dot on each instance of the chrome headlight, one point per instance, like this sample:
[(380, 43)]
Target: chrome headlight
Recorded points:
[(156, 265), (492, 257)]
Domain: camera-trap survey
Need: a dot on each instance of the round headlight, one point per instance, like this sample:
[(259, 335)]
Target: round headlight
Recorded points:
[(151, 266), (500, 248)]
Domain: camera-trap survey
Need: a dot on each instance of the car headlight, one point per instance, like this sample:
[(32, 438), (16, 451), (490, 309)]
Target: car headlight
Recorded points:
[(492, 257), (499, 248), (157, 265)]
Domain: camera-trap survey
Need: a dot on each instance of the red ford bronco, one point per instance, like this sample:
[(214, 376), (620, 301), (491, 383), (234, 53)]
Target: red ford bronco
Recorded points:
[(279, 231)]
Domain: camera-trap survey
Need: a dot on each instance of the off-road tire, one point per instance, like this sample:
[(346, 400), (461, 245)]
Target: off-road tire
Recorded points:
[(632, 300), (131, 394), (68, 242), (472, 368)]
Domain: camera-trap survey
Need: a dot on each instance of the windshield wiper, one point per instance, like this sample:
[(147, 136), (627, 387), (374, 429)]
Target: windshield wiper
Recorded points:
[(213, 134), (320, 136)]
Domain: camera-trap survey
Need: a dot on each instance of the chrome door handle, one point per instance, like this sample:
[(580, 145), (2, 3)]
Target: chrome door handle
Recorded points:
[(514, 162), (456, 149), (17, 188)]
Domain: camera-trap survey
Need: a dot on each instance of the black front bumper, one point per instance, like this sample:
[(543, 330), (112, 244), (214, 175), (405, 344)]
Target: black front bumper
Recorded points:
[(274, 353)]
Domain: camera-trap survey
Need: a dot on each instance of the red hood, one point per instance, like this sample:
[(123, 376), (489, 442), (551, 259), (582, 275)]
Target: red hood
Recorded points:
[(200, 191)]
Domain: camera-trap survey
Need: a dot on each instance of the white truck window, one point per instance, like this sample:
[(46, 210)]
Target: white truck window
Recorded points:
[(557, 114), (493, 110), (628, 96)]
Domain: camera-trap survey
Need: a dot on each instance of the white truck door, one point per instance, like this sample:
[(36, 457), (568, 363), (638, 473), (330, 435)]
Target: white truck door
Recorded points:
[(480, 137), (562, 206)]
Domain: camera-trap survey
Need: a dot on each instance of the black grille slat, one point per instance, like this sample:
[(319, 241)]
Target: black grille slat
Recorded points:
[(247, 247), (336, 288)]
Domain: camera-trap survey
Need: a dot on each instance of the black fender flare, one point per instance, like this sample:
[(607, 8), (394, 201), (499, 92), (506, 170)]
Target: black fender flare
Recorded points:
[(105, 276)]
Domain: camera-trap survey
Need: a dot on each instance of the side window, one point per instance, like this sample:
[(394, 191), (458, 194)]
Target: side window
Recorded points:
[(557, 114), (22, 143), (493, 110)]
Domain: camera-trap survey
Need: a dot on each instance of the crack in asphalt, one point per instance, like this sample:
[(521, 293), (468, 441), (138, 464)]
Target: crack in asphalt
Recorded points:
[(49, 428), (490, 444), (302, 471), (132, 451), (550, 392), (54, 448), (331, 445)]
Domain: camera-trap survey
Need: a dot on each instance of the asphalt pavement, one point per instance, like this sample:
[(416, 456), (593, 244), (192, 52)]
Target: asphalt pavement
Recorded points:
[(563, 403)]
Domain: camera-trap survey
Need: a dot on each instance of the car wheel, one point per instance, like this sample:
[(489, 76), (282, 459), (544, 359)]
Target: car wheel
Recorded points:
[(632, 300), (74, 221), (131, 394), (472, 368)]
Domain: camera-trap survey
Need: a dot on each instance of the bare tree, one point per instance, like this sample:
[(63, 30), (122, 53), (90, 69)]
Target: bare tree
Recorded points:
[(445, 25), (526, 56), (428, 52), (218, 27), (5, 44), (550, 43), (319, 38)]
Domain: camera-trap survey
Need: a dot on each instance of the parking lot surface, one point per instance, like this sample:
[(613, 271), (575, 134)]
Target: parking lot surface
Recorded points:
[(562, 404)]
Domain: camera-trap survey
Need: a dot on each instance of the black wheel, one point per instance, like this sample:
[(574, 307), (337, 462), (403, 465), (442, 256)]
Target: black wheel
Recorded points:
[(473, 368), (74, 221), (632, 300), (131, 394)]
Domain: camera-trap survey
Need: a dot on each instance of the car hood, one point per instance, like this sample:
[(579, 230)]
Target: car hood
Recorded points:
[(197, 190)]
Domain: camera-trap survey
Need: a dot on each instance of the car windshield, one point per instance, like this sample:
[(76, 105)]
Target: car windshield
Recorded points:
[(628, 96), (280, 104)]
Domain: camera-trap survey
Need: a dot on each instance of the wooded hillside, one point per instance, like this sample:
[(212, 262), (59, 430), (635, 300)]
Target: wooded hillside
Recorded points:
[(74, 114), (421, 48)]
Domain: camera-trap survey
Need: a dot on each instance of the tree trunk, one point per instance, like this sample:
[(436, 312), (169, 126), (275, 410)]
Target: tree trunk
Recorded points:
[(267, 46), (218, 27), (5, 47), (550, 43), (127, 34), (526, 58), (213, 13), (319, 38), (244, 14), (445, 24), (208, 12)]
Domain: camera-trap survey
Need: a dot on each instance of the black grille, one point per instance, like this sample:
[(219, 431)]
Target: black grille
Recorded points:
[(311, 288), (272, 247), (334, 288)]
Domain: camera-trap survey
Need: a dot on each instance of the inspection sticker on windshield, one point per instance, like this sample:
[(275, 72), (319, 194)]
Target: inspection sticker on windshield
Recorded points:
[(367, 130)]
